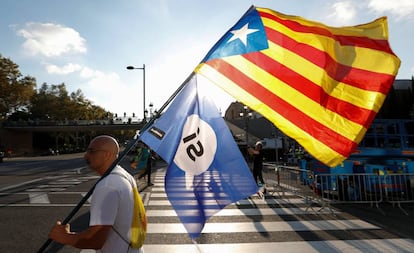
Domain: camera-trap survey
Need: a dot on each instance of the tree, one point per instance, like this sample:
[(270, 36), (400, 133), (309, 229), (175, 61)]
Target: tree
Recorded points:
[(15, 89), (19, 99), (52, 102)]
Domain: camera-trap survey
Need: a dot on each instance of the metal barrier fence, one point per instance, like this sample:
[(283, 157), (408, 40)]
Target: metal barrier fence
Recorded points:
[(399, 188), (280, 179), (283, 179), (326, 189), (347, 188)]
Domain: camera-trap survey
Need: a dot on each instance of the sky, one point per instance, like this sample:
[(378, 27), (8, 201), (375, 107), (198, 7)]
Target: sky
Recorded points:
[(87, 45)]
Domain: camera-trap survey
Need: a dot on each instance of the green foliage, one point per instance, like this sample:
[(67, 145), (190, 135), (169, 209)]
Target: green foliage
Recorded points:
[(19, 99), (15, 90), (52, 102)]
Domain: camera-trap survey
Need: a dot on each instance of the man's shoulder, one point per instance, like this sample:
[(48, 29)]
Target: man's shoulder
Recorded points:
[(119, 173)]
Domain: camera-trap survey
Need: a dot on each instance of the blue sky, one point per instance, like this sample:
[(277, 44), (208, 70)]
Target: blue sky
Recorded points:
[(88, 44)]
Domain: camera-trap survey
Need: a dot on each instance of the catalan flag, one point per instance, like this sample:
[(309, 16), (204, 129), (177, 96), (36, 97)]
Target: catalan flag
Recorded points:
[(320, 85)]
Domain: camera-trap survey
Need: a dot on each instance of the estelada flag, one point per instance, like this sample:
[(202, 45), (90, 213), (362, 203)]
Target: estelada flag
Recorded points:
[(320, 85)]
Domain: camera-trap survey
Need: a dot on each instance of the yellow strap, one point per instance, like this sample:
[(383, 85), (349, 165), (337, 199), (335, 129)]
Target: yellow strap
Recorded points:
[(139, 218), (139, 222)]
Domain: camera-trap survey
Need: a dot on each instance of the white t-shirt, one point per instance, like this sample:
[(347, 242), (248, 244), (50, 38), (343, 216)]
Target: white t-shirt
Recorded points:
[(112, 203)]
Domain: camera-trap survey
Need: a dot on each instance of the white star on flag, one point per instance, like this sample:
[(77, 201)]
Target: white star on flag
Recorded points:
[(242, 33)]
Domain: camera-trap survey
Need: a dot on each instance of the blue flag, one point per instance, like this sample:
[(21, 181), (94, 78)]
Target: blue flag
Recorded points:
[(206, 170)]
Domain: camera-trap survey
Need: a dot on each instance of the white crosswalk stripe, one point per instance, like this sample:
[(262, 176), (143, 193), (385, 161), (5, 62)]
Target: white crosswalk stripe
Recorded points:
[(59, 185), (344, 246), (39, 198), (39, 192), (266, 226)]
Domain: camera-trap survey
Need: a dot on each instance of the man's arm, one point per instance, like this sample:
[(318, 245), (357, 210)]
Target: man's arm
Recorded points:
[(92, 238)]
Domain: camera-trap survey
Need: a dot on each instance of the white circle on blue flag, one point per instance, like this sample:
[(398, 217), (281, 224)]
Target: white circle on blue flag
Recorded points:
[(197, 148)]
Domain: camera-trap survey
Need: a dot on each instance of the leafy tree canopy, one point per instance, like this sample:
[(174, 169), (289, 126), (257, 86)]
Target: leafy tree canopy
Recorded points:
[(15, 90), (19, 99)]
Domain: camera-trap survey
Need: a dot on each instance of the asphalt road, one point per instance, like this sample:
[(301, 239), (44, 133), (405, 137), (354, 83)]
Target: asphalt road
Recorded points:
[(25, 220), (35, 192), (398, 220)]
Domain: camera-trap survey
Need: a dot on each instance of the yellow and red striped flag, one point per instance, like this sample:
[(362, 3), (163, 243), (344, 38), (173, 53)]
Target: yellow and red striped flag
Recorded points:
[(320, 85)]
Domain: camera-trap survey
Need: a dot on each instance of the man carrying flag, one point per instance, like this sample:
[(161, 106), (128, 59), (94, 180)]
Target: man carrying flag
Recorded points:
[(206, 170), (320, 85), (117, 217)]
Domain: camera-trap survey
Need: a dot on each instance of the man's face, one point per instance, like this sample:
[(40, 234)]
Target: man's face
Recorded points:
[(96, 157)]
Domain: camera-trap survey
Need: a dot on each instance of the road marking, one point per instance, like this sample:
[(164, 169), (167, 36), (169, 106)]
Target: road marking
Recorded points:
[(20, 184), (49, 193), (42, 190), (244, 212), (53, 185), (172, 234), (158, 194), (42, 205), (334, 246), (255, 201), (29, 182), (146, 198), (39, 198), (89, 199), (275, 226), (68, 180), (87, 178)]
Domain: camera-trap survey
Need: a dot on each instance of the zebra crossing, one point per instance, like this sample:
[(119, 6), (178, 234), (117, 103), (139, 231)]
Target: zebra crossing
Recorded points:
[(265, 225), (46, 191), (273, 224)]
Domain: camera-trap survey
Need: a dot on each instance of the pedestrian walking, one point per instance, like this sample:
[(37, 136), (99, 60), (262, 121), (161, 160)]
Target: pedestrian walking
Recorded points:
[(117, 215), (257, 154)]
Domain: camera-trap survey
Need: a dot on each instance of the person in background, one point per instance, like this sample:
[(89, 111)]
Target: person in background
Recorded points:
[(112, 204), (149, 168), (257, 163), (143, 162)]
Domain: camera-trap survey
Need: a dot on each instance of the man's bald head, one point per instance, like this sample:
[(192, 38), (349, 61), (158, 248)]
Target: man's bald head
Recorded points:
[(101, 153), (107, 143)]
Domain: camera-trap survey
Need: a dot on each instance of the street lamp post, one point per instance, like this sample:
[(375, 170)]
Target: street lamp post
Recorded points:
[(143, 83), (246, 114)]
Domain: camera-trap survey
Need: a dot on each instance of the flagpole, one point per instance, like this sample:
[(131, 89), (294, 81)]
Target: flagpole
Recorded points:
[(168, 102), (120, 157)]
